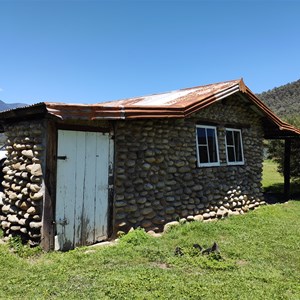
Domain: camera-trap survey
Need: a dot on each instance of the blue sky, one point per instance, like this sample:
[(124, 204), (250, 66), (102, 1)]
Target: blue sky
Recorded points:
[(95, 51)]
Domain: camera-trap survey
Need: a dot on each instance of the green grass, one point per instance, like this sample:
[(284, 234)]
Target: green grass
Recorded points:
[(271, 176), (273, 181), (260, 260)]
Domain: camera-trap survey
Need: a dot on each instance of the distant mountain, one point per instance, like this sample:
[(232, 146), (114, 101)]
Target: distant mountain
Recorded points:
[(7, 106), (283, 100)]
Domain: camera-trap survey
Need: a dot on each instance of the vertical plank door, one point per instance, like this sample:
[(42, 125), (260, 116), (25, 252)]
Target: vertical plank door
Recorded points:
[(82, 188)]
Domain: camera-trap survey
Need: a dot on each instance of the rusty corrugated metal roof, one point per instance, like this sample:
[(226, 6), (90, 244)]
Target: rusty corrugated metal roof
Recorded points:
[(174, 104)]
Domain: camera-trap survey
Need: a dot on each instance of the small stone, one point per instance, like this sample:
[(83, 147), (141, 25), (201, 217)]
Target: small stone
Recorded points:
[(35, 188), (22, 221), (170, 210), (13, 219), (212, 214), (31, 210), (122, 224), (16, 166), (182, 220), (130, 163), (5, 184), (24, 205), (13, 196), (148, 186), (120, 203), (146, 166), (147, 211), (233, 213), (35, 225), (5, 224), (141, 200), (24, 175), (36, 196), (5, 208), (190, 218), (24, 191), (23, 230), (170, 225), (198, 218), (34, 235), (184, 169), (154, 234), (197, 187), (150, 160), (35, 169), (28, 153), (206, 216), (15, 228), (36, 218)]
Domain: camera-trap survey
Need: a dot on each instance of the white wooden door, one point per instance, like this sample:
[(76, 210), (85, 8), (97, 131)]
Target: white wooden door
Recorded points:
[(82, 188)]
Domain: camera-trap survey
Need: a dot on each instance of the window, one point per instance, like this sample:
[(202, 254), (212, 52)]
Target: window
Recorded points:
[(234, 147), (207, 146)]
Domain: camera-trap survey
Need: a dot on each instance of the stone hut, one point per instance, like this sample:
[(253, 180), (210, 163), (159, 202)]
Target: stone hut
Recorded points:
[(78, 174)]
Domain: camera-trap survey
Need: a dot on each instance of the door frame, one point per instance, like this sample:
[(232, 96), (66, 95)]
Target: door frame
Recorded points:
[(49, 205)]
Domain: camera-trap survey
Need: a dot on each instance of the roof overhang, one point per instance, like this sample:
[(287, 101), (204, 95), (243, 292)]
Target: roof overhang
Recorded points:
[(175, 104)]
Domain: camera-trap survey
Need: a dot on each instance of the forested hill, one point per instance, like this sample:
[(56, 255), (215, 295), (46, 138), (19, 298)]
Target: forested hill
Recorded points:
[(283, 100)]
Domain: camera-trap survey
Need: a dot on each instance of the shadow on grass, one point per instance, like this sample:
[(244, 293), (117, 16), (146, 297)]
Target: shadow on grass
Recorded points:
[(275, 193)]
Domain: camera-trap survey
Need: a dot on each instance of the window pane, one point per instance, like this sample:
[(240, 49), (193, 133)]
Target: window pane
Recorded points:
[(230, 151), (203, 154), (238, 148), (212, 145), (201, 136), (229, 138)]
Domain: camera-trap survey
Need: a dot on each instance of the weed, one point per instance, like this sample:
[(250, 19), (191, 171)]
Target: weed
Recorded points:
[(135, 237), (22, 250)]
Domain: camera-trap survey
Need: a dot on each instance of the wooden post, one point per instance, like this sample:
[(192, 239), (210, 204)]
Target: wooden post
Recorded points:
[(287, 169)]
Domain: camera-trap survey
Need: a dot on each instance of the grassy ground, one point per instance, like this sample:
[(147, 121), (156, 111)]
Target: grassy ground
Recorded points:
[(273, 181), (260, 259), (270, 175)]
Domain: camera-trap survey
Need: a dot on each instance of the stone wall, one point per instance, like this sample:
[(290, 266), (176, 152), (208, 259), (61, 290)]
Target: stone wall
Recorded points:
[(156, 175), (21, 201)]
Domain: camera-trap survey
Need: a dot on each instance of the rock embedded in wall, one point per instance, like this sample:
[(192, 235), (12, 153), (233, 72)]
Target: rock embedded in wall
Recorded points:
[(21, 204)]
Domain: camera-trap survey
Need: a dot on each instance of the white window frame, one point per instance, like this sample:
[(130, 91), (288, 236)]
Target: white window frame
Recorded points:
[(242, 162), (209, 164)]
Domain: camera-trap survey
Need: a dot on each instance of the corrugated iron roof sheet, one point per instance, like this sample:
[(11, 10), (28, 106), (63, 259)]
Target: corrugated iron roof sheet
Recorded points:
[(177, 98), (174, 104)]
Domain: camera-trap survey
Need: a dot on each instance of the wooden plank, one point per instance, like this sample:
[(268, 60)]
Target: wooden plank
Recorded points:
[(101, 207), (79, 166), (65, 195), (287, 169), (88, 213), (48, 230)]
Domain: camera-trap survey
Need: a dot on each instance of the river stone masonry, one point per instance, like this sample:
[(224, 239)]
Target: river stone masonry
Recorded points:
[(156, 175), (22, 198)]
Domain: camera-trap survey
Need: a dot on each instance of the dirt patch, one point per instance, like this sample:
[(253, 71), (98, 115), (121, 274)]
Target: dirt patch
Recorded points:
[(161, 265), (242, 262)]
